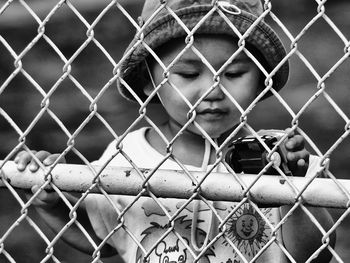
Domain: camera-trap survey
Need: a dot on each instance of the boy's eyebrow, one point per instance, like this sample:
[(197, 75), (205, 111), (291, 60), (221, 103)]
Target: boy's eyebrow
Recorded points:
[(241, 59), (198, 61), (193, 61)]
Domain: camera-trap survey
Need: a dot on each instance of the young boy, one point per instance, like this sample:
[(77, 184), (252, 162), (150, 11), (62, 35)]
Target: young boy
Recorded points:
[(204, 92)]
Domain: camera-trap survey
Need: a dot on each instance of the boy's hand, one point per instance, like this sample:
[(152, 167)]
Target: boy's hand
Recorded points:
[(24, 159), (297, 156)]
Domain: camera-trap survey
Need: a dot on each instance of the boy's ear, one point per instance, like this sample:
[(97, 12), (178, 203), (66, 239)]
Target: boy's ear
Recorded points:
[(261, 85)]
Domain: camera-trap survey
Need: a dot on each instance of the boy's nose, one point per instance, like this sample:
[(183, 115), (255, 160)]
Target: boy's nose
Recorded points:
[(215, 94)]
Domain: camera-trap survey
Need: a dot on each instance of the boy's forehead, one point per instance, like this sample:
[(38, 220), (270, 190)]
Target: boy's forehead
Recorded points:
[(220, 57), (218, 49)]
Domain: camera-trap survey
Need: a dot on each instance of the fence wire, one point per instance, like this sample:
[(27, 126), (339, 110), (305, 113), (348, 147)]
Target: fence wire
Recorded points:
[(249, 192)]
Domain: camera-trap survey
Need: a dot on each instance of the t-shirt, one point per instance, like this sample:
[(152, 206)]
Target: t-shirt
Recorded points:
[(228, 232)]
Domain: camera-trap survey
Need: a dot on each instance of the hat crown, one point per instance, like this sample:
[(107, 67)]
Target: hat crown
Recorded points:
[(253, 7), (164, 27)]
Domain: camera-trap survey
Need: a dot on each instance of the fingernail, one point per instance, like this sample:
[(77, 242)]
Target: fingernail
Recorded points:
[(301, 162), (48, 161), (34, 189)]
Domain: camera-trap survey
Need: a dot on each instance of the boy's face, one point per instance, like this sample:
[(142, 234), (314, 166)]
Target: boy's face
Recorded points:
[(216, 113)]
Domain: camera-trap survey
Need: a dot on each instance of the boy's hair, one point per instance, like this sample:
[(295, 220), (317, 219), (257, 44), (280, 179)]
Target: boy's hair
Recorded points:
[(163, 27)]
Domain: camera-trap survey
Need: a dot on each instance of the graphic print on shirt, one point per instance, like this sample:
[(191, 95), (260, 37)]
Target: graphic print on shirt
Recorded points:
[(189, 207), (171, 248), (150, 207), (247, 230)]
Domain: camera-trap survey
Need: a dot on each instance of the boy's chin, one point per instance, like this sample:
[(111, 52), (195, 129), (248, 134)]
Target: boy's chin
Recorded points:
[(213, 134), (211, 131), (194, 131)]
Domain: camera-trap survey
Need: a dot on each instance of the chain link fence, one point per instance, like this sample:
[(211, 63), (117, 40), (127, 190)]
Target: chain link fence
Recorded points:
[(60, 64)]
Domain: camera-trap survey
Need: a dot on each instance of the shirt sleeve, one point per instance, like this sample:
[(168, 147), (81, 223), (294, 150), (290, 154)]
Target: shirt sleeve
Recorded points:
[(314, 166)]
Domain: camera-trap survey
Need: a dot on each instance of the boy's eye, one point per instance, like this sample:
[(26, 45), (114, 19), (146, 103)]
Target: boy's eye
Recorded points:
[(188, 75), (235, 74)]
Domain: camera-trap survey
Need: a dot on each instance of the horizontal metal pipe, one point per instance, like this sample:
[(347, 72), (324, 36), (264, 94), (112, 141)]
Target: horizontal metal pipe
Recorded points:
[(267, 191)]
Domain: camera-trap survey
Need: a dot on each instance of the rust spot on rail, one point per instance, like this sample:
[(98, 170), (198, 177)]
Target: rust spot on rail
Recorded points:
[(127, 173)]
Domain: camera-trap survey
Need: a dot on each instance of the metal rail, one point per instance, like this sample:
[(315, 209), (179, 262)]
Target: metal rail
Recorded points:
[(267, 190)]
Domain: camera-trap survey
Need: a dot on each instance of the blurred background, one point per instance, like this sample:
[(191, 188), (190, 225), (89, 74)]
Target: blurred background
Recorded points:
[(21, 98)]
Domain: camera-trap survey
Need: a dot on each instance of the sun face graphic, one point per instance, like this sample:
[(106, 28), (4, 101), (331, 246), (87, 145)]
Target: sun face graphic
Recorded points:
[(247, 230)]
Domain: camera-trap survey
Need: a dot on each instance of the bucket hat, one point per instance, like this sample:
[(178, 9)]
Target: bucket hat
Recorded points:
[(160, 26)]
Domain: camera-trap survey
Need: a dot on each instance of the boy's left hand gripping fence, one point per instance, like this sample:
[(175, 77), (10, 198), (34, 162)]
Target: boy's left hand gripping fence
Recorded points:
[(265, 191)]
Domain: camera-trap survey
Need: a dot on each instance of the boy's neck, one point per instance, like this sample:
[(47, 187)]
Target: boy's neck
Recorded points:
[(189, 147)]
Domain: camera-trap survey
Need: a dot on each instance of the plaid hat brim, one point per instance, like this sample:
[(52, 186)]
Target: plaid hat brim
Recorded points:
[(166, 28)]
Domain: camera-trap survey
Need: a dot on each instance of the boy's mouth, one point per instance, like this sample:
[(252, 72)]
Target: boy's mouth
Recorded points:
[(212, 113)]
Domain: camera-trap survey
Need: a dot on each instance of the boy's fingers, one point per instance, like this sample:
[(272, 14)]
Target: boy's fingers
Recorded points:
[(49, 160), (290, 132), (298, 162), (22, 159), (299, 155), (52, 158), (301, 163), (34, 188), (44, 198), (295, 143), (62, 160), (18, 156), (41, 155), (301, 168)]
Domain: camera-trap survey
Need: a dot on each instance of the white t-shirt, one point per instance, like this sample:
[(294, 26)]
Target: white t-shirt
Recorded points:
[(146, 220)]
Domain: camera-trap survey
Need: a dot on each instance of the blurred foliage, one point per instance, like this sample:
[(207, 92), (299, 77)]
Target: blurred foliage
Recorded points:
[(22, 100)]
